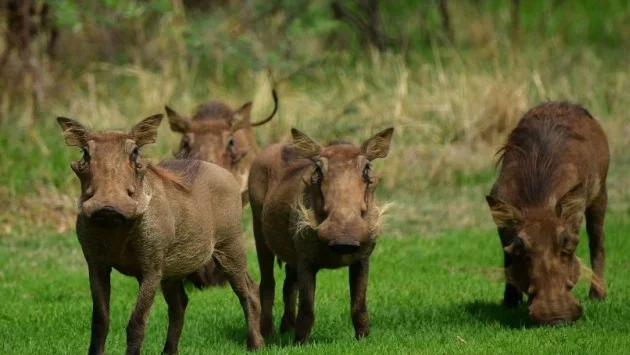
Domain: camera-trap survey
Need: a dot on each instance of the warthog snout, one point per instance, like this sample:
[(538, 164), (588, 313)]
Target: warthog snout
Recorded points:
[(109, 209), (108, 217), (564, 310), (343, 236), (344, 246)]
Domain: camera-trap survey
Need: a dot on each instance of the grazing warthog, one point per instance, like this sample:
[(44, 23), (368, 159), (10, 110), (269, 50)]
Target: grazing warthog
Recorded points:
[(552, 171), (157, 224), (314, 208), (219, 135)]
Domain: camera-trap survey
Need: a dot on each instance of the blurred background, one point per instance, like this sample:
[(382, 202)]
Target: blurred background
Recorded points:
[(452, 77)]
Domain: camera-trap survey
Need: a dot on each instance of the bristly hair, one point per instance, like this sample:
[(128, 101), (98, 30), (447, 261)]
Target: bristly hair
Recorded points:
[(537, 147), (213, 110), (339, 142), (182, 173), (306, 220), (557, 109)]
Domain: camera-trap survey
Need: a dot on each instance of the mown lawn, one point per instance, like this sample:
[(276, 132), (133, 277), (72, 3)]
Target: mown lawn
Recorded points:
[(426, 295)]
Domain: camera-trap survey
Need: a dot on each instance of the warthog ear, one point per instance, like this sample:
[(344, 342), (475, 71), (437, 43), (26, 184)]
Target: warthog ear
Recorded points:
[(378, 146), (176, 122), (145, 132), (304, 146), (503, 214), (74, 133), (241, 117)]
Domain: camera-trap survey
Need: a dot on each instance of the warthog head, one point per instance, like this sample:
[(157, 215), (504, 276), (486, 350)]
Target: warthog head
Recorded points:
[(542, 253), (111, 170), (339, 198), (219, 135), (211, 137)]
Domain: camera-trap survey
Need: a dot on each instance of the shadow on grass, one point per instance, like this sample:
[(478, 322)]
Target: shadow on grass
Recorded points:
[(407, 320), (237, 334), (474, 313), (489, 312)]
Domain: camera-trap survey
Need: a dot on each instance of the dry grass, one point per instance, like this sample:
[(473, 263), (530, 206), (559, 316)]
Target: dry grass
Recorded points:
[(44, 208)]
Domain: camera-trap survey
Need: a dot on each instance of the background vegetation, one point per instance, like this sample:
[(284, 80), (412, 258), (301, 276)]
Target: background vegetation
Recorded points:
[(452, 93)]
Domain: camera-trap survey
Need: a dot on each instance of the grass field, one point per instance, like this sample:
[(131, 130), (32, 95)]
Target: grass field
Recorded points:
[(426, 295)]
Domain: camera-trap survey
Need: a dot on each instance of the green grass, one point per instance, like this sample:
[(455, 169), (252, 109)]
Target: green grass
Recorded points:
[(424, 293)]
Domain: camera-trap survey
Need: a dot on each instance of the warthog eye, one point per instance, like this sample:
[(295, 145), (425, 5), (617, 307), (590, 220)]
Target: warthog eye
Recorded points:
[(185, 144), (231, 147), (134, 156), (318, 174), (367, 173), (85, 159), (86, 155), (568, 245), (516, 248)]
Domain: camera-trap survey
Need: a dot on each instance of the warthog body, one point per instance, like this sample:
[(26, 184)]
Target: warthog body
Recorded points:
[(552, 172), (157, 224), (314, 208), (223, 136)]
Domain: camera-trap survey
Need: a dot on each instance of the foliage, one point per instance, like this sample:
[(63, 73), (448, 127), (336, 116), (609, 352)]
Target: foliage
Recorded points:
[(452, 102)]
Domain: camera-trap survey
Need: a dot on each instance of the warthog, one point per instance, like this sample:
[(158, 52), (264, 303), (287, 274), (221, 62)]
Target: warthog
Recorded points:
[(157, 224), (552, 171), (314, 208), (219, 135)]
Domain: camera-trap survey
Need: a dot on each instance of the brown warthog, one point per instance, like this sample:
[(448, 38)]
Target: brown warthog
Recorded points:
[(314, 208), (157, 224), (219, 135), (552, 171)]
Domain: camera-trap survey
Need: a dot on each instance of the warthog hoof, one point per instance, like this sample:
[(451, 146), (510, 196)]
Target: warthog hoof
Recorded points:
[(255, 342), (596, 295), (287, 325)]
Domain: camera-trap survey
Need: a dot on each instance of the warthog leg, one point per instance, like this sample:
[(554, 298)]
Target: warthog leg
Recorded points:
[(267, 283), (306, 275), (149, 283), (358, 287), (595, 214), (289, 296), (232, 260), (512, 296), (177, 300), (100, 288)]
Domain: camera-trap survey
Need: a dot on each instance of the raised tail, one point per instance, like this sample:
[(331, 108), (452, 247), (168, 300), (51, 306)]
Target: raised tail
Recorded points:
[(275, 109)]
